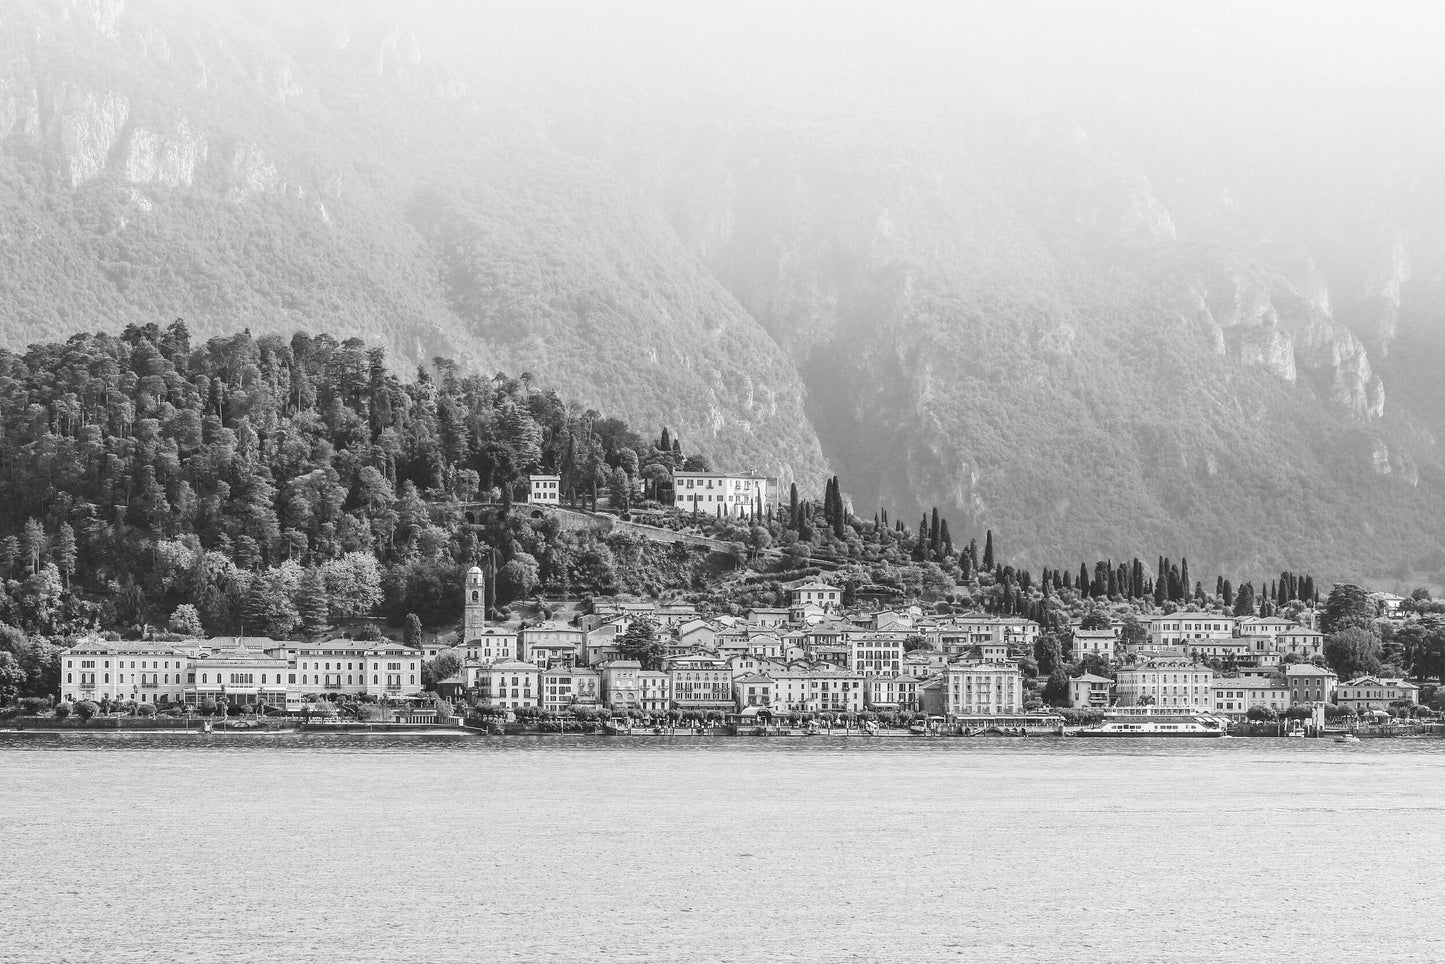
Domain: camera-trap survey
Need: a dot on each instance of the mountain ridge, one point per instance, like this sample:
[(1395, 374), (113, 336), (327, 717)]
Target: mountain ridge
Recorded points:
[(1043, 321)]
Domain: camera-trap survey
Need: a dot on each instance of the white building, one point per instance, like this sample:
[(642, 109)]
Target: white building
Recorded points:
[(568, 687), (1233, 697), (1180, 629), (1100, 642), (509, 683), (718, 495), (239, 677), (546, 490), (1088, 690), (818, 594), (354, 667), (1375, 692), (144, 672), (1166, 682), (491, 644), (979, 688), (876, 654)]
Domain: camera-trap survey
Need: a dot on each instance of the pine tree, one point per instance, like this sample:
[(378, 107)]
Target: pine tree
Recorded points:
[(65, 552), (312, 603)]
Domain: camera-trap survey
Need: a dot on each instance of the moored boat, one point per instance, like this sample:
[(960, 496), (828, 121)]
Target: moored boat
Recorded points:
[(1185, 722)]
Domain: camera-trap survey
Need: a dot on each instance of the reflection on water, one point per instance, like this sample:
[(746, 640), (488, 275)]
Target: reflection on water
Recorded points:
[(383, 848)]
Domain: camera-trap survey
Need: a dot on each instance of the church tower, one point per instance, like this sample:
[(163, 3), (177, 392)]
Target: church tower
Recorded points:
[(474, 622)]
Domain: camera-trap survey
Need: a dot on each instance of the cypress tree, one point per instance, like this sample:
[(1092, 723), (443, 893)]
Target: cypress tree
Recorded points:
[(935, 535), (947, 540), (1184, 583), (793, 520), (988, 559), (1083, 582)]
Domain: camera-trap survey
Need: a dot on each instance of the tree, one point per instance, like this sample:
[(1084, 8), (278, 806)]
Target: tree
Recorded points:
[(1244, 600), (1056, 690), (65, 552), (411, 631), (312, 604), (186, 621), (1347, 606), (619, 490), (440, 667), (353, 585), (640, 643), (1259, 713), (1133, 633), (269, 609), (988, 560), (1096, 618), (1353, 652)]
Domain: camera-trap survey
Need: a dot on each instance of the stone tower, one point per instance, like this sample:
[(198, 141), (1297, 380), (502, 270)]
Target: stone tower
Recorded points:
[(475, 605)]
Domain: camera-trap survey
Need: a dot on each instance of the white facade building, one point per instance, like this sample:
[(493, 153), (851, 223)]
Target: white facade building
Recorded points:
[(712, 494)]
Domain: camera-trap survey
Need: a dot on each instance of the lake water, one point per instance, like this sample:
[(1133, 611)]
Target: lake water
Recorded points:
[(291, 849)]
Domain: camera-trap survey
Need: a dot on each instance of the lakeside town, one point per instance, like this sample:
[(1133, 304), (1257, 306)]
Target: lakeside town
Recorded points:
[(823, 662)]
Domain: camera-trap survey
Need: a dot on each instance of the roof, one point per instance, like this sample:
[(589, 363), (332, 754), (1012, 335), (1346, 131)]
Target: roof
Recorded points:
[(511, 665), (814, 587), (1306, 669), (1095, 633), (754, 678), (1246, 683), (1090, 678)]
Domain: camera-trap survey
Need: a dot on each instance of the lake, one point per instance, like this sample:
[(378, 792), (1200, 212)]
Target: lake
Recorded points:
[(308, 849)]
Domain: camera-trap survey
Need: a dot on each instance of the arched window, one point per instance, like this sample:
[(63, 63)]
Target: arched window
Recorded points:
[(263, 679), (67, 677), (107, 677), (413, 679), (204, 678)]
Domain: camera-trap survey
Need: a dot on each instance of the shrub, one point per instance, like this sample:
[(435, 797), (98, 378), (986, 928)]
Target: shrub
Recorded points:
[(146, 709), (85, 709), (62, 711)]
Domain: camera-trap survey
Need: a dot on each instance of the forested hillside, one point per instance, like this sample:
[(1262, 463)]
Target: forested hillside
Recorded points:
[(276, 485)]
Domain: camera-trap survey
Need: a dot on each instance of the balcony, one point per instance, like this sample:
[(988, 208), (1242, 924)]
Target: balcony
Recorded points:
[(332, 686), (393, 687), (150, 686)]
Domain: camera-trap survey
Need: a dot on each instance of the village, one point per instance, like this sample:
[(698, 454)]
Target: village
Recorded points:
[(820, 661)]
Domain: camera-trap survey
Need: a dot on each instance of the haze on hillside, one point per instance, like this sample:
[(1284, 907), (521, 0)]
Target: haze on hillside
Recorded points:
[(1109, 279)]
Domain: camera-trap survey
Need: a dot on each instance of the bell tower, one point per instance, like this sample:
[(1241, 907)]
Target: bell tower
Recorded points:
[(474, 608)]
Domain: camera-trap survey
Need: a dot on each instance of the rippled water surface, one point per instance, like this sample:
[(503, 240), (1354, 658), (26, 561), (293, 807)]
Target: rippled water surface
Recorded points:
[(305, 849)]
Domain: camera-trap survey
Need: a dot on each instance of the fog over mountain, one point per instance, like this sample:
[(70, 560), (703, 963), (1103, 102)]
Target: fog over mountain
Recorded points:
[(1108, 279)]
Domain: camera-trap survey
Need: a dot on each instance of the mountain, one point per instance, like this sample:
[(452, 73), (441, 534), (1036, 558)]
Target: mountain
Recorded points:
[(1039, 276)]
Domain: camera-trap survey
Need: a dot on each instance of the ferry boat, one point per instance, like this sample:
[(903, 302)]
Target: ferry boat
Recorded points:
[(617, 726), (1158, 721)]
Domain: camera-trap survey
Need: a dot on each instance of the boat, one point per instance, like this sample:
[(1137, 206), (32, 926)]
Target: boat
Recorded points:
[(1296, 732), (1347, 738), (616, 726), (1136, 722)]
